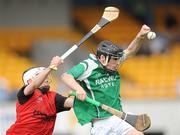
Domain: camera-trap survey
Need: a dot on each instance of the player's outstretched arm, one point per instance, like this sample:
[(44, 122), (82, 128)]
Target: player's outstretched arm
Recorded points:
[(72, 83), (137, 41), (36, 82)]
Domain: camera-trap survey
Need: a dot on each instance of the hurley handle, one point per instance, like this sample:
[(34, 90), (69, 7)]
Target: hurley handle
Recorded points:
[(87, 99)]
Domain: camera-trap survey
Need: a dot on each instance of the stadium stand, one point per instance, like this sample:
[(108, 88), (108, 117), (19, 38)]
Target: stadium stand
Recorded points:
[(17, 41), (161, 12), (12, 66), (143, 77), (153, 77), (117, 31), (22, 39)]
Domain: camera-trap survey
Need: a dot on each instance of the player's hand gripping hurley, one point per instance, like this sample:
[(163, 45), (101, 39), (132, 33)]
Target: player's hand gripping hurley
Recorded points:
[(139, 122), (110, 14)]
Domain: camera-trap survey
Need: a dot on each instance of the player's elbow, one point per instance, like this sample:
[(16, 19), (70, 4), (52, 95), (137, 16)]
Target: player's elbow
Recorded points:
[(29, 90)]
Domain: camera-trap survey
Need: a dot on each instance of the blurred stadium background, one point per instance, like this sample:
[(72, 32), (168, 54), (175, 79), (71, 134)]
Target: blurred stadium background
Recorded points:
[(32, 31)]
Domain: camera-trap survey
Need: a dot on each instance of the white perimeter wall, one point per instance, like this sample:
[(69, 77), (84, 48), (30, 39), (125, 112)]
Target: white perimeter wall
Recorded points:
[(165, 115)]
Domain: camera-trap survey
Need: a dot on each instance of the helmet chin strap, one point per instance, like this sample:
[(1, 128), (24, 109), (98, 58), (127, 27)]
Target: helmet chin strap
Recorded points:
[(106, 61), (105, 64)]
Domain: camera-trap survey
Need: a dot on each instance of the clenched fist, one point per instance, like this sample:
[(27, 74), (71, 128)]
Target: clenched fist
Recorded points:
[(55, 62), (144, 31)]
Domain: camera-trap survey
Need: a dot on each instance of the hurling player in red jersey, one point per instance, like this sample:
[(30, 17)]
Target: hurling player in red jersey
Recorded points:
[(37, 105)]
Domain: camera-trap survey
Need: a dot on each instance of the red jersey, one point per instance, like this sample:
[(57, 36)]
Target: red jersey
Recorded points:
[(36, 116)]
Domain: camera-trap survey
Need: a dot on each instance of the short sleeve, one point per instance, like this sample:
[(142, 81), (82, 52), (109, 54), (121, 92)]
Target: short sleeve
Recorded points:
[(59, 101), (21, 97), (77, 70)]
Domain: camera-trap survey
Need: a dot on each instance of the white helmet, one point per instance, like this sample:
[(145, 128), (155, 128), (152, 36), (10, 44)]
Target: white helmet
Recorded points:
[(30, 73)]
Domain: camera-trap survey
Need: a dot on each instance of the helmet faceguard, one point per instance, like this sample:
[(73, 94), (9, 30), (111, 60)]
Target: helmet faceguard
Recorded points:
[(109, 50)]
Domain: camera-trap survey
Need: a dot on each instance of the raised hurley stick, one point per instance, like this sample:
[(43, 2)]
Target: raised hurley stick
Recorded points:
[(139, 122), (110, 14)]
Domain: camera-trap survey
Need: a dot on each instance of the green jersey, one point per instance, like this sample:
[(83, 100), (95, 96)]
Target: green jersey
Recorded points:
[(99, 85)]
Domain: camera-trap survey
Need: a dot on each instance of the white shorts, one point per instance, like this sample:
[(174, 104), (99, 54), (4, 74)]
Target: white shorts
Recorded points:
[(110, 126)]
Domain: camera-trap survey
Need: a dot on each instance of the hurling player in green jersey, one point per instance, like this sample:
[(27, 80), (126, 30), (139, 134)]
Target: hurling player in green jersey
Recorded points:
[(98, 78)]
